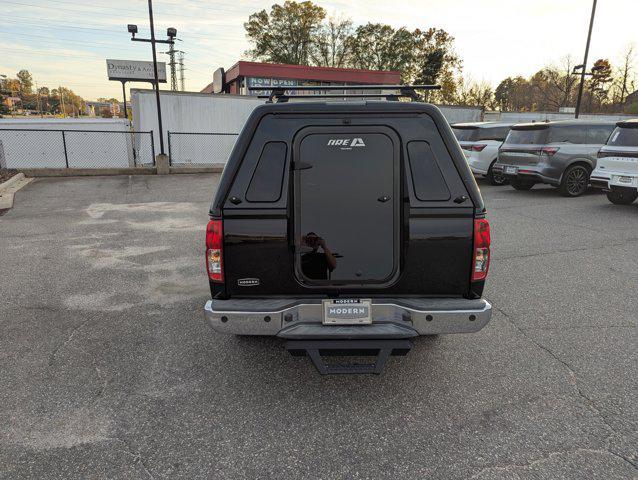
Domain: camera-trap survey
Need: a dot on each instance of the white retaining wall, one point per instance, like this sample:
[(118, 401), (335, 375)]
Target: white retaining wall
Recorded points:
[(210, 113), (194, 113)]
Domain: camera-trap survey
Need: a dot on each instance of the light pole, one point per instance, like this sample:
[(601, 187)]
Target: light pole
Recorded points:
[(584, 66), (171, 33)]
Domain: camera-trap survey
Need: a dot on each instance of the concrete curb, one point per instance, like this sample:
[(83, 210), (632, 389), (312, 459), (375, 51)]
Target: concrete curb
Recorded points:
[(10, 187), (214, 168), (81, 172), (16, 178)]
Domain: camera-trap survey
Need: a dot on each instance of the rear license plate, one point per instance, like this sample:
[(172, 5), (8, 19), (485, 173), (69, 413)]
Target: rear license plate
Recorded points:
[(347, 312), (622, 180), (511, 170)]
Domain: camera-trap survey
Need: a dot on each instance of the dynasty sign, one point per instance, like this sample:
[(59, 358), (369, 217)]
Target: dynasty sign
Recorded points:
[(135, 71)]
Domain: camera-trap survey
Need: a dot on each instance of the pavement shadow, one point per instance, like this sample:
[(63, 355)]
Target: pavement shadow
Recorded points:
[(263, 364)]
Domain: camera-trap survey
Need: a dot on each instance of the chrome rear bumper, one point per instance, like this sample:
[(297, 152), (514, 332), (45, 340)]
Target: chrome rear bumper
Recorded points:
[(391, 318)]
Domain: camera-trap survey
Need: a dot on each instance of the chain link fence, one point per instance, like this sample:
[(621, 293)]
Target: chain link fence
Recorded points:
[(39, 148), (193, 148)]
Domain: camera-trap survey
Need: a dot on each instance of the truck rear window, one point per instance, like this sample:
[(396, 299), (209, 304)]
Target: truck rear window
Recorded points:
[(345, 207), (265, 186)]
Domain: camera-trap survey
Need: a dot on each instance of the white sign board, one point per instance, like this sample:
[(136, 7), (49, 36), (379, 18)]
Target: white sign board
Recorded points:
[(135, 71)]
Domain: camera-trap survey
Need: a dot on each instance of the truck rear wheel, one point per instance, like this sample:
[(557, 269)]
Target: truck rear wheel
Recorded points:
[(520, 184), (620, 197)]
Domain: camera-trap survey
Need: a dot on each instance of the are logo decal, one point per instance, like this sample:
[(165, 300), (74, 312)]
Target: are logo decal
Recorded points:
[(346, 143), (248, 282)]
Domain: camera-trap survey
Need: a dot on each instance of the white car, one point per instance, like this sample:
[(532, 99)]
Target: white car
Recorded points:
[(617, 166), (480, 142)]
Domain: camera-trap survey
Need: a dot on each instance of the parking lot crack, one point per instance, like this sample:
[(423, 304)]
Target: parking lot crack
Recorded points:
[(509, 467), (68, 344), (137, 456), (569, 250), (68, 340), (586, 399)]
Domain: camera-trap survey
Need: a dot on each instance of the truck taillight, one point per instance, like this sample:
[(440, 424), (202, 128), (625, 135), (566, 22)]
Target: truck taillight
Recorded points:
[(478, 147), (481, 257), (214, 251)]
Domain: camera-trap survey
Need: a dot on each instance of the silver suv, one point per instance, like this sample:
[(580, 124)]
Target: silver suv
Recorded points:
[(561, 153)]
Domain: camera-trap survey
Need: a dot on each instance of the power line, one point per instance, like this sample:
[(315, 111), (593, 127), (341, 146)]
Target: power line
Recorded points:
[(48, 37), (49, 53), (105, 10), (65, 26)]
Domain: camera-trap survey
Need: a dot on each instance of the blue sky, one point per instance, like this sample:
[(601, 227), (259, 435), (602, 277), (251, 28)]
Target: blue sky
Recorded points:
[(66, 42)]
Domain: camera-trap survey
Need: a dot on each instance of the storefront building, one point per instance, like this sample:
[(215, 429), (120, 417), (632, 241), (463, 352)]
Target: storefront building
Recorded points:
[(245, 78)]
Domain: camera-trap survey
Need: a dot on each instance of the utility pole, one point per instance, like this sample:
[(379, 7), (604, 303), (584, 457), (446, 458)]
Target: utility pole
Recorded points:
[(182, 80), (61, 95), (171, 56), (584, 66), (171, 33), (37, 92)]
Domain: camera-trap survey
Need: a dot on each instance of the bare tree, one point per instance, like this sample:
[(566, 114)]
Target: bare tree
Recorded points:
[(476, 94), (331, 46), (554, 86), (626, 71)]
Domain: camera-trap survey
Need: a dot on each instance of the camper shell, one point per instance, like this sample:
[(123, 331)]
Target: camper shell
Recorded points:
[(364, 204)]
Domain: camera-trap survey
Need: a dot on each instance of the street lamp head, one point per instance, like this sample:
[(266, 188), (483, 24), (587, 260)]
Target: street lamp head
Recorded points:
[(132, 29), (171, 32)]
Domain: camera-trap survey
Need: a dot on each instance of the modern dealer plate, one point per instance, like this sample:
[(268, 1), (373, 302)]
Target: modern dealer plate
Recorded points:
[(511, 170), (344, 311)]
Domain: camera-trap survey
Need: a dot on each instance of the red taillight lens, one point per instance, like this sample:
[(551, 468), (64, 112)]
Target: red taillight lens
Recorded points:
[(481, 257), (478, 147), (214, 251), (549, 151)]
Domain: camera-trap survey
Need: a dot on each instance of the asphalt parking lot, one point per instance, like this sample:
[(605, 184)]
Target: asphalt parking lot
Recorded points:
[(107, 369)]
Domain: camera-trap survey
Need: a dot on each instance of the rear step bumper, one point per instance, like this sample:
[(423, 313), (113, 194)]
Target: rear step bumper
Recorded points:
[(301, 319)]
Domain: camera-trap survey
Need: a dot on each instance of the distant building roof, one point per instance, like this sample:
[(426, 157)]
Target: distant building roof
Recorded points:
[(303, 72)]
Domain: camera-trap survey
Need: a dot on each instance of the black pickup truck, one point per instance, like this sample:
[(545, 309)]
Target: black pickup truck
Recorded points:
[(347, 226)]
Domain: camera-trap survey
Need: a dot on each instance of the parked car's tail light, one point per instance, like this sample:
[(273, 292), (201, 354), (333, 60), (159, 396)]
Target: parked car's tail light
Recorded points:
[(214, 251), (481, 257), (549, 151), (478, 147)]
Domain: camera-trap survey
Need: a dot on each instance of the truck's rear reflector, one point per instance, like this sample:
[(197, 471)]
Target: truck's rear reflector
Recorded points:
[(214, 251), (481, 257)]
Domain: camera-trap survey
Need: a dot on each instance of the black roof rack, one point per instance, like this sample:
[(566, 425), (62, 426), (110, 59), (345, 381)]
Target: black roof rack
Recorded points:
[(278, 93)]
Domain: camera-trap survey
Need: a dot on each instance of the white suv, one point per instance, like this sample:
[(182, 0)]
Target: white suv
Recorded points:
[(617, 166), (480, 142)]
